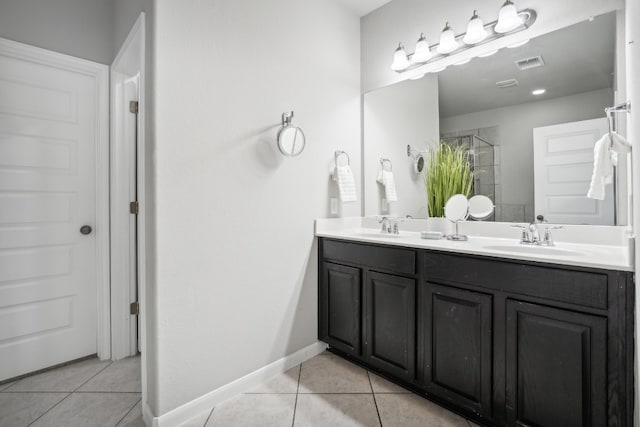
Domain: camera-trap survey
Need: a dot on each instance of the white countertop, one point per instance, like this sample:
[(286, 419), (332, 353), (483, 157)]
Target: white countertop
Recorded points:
[(610, 257)]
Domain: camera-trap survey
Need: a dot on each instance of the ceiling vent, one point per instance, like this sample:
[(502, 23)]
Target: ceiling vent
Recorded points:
[(507, 83), (528, 63)]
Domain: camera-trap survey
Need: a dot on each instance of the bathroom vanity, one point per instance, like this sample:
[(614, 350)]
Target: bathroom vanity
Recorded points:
[(503, 341)]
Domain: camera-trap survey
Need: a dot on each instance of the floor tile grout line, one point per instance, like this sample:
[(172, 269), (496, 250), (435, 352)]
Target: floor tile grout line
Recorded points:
[(209, 417), (128, 412), (49, 410), (375, 402), (295, 404), (96, 374)]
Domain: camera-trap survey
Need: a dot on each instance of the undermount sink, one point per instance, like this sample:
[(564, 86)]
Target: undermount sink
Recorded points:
[(534, 250), (378, 234)]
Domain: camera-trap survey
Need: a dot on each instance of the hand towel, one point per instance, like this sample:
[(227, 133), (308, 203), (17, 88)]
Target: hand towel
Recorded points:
[(389, 183), (346, 183), (605, 157)]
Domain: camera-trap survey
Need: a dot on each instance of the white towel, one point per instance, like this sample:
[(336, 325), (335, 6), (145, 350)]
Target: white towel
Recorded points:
[(605, 157), (346, 183), (386, 178)]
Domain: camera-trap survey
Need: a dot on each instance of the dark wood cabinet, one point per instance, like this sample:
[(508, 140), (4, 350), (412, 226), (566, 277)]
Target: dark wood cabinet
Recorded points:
[(556, 367), (457, 346), (390, 323), (504, 342), (340, 313)]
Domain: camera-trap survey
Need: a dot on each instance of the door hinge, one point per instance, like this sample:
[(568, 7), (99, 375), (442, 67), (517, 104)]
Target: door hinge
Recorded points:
[(134, 208), (133, 107), (134, 308)]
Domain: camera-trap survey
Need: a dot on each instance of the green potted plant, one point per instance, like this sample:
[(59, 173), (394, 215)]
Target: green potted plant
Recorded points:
[(448, 173)]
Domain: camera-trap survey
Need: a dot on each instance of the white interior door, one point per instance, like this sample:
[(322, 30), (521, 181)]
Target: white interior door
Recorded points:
[(48, 149), (563, 165)]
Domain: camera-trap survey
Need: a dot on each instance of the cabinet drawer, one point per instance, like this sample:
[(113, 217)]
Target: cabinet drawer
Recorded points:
[(391, 259), (584, 288)]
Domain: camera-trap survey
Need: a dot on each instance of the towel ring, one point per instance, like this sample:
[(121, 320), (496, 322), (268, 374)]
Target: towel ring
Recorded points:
[(339, 153), (383, 161), (291, 139)]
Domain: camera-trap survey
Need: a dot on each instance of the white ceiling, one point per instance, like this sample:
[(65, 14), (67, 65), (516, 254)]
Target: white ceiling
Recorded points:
[(577, 59), (363, 7)]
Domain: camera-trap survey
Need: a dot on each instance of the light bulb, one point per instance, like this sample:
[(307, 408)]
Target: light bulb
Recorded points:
[(400, 61), (508, 18), (538, 91), (475, 30), (448, 41), (422, 53)]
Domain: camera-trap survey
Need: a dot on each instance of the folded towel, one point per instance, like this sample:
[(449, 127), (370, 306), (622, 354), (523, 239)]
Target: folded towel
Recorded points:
[(346, 183), (386, 178), (605, 157)]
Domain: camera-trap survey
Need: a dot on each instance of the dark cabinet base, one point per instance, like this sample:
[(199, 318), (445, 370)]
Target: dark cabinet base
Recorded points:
[(501, 342)]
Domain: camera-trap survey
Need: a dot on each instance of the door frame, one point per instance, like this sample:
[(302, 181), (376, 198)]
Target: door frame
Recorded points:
[(129, 63), (100, 74)]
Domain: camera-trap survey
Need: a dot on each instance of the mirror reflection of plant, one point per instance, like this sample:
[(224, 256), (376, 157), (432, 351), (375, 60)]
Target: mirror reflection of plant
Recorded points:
[(448, 173)]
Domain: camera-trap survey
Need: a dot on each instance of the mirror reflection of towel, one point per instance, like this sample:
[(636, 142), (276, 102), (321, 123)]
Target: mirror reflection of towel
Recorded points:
[(386, 178), (605, 157)]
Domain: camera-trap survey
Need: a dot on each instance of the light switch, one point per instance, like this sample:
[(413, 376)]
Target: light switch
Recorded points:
[(334, 206)]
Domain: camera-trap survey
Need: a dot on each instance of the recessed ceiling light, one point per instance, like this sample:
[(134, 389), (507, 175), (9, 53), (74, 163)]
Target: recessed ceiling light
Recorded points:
[(538, 92), (484, 55)]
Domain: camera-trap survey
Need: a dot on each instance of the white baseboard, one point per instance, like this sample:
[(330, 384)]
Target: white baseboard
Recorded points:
[(204, 403)]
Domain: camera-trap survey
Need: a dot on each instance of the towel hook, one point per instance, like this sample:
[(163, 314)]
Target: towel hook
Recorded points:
[(383, 161), (339, 153)]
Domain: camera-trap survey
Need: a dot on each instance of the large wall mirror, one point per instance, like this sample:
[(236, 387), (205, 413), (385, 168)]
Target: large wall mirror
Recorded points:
[(529, 117)]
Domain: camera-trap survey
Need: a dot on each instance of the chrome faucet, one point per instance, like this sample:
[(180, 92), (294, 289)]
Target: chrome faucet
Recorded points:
[(531, 234), (389, 225), (386, 228)]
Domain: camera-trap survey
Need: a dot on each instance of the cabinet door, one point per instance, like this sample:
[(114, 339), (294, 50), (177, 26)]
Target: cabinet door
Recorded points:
[(390, 324), (555, 368), (339, 307), (457, 352)]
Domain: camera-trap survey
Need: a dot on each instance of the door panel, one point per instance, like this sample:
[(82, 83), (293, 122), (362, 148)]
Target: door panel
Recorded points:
[(390, 323), (48, 285), (458, 346), (563, 164), (340, 304), (556, 367)]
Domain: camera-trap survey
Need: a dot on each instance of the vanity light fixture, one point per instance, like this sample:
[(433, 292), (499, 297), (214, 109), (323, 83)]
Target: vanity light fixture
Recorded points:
[(400, 61), (508, 18), (422, 53), (475, 30), (448, 41), (464, 61), (485, 55), (437, 70), (509, 21), (538, 92), (518, 44)]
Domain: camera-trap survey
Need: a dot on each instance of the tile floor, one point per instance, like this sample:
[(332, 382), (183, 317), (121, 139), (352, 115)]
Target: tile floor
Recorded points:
[(323, 391), (328, 391), (84, 394)]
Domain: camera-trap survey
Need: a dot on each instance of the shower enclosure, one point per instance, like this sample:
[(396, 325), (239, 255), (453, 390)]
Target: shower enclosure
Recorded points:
[(482, 158)]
